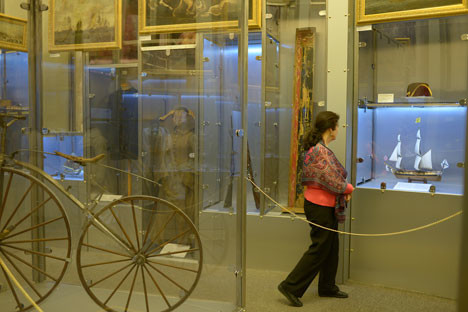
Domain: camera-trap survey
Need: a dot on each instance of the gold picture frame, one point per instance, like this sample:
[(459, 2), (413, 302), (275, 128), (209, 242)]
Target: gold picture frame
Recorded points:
[(85, 25), (173, 16), (377, 11), (13, 33)]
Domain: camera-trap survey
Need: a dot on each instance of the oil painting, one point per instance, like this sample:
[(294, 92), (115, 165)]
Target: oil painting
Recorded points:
[(374, 11), (13, 33), (97, 29), (162, 16), (302, 113)]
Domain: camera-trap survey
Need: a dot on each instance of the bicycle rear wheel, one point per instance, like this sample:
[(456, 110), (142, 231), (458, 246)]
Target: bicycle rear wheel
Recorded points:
[(160, 265), (35, 238)]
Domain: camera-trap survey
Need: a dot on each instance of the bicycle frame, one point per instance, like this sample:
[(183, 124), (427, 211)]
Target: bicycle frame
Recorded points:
[(3, 163), (77, 202), (140, 253)]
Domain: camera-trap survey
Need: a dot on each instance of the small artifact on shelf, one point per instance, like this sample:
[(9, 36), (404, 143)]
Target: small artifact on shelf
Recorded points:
[(422, 164), (72, 168), (5, 103), (418, 89)]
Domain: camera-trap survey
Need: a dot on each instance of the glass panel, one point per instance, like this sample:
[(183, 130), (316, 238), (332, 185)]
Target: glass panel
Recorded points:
[(184, 135), (272, 113), (222, 116), (62, 168), (139, 149), (14, 97), (295, 91), (412, 112), (160, 119)]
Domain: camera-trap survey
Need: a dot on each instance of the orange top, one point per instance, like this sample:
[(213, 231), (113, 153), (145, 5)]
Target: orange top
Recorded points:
[(323, 198)]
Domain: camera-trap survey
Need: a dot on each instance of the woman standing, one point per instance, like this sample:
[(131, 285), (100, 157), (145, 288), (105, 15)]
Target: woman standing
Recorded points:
[(324, 203)]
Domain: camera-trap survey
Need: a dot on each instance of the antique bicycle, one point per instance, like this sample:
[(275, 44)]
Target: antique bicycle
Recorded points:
[(136, 252)]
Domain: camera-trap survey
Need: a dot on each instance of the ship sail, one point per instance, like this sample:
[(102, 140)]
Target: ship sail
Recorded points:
[(417, 161), (426, 161), (417, 146), (396, 154), (422, 164), (421, 161)]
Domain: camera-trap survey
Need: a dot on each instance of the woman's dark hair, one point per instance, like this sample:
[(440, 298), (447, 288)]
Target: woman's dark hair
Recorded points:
[(324, 121)]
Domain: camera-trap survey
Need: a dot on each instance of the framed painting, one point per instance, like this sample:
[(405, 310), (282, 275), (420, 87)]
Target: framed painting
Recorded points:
[(375, 11), (97, 29), (13, 33), (163, 16), (304, 60)]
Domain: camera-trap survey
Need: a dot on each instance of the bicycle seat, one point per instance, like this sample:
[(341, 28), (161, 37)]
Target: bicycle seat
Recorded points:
[(80, 160)]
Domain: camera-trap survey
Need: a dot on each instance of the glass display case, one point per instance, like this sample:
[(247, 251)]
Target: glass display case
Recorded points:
[(148, 137), (14, 97), (409, 150), (60, 168), (157, 138), (411, 115)]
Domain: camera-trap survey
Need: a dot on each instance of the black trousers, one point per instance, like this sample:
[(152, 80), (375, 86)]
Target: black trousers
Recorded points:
[(322, 255)]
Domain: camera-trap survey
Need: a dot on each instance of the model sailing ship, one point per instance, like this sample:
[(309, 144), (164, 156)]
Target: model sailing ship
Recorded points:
[(422, 164)]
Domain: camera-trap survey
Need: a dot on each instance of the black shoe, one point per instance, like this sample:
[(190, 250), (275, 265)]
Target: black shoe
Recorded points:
[(291, 298), (336, 294)]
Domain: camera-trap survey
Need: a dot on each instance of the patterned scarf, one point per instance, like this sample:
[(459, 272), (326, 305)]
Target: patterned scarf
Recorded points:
[(323, 170)]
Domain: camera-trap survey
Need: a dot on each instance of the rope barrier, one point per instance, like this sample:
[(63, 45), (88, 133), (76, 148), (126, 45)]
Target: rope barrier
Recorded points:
[(355, 234)]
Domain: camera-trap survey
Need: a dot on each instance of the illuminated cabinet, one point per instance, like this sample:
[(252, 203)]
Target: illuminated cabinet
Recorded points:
[(409, 151)]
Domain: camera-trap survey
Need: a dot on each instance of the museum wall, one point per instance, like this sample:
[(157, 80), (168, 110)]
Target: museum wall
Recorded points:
[(57, 82), (12, 8)]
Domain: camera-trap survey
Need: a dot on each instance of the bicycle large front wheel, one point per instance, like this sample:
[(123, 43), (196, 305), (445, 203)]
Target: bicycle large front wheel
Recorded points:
[(147, 257), (35, 238)]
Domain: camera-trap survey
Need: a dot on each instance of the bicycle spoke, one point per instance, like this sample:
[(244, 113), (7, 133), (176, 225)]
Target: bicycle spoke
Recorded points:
[(11, 287), (110, 275), (168, 278), (121, 282), (6, 194), (106, 250), (30, 265), (149, 225), (135, 225), (35, 227), (163, 228), (173, 266), (144, 288), (110, 233), (131, 288), (123, 230), (35, 252), (102, 263), (18, 206), (157, 286), (167, 242), (143, 241), (173, 252), (18, 223), (31, 212), (21, 273), (36, 240)]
